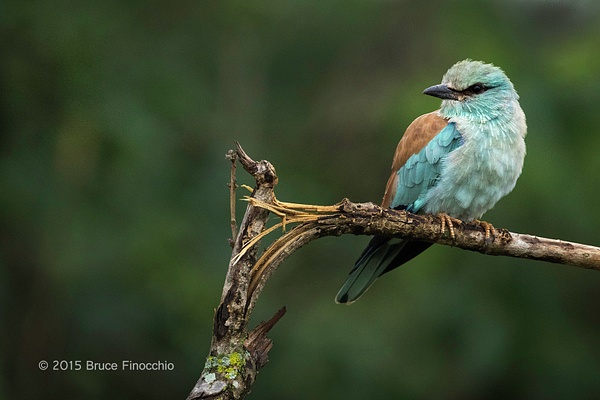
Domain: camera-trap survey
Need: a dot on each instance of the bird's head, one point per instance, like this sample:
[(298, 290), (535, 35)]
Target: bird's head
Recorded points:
[(475, 91)]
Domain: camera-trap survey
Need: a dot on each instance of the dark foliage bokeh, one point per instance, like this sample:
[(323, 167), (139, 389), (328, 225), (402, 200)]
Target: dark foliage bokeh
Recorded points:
[(114, 121)]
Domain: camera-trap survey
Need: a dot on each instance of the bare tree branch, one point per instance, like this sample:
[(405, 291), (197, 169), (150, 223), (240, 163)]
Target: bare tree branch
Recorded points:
[(237, 354), (370, 219), (230, 368), (232, 156)]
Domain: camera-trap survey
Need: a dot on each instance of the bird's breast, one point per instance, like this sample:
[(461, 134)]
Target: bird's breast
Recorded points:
[(479, 173)]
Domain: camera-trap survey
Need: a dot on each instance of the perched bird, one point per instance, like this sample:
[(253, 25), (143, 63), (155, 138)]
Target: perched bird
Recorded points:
[(457, 161)]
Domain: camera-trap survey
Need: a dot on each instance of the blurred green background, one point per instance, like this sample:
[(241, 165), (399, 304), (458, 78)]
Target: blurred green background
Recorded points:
[(115, 117)]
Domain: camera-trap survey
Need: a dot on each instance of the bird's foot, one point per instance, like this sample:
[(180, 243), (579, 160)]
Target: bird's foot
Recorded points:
[(487, 227), (448, 221)]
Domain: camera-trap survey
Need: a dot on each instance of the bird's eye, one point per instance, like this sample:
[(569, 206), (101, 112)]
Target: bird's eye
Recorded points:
[(476, 88)]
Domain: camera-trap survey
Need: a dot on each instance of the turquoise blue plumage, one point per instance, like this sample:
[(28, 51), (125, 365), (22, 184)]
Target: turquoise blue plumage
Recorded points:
[(459, 161), (422, 170)]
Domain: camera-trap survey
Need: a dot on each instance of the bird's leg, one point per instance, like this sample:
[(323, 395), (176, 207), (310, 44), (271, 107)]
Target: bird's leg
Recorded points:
[(487, 227), (449, 222)]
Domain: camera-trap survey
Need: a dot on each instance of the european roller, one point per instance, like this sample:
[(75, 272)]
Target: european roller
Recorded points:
[(457, 161)]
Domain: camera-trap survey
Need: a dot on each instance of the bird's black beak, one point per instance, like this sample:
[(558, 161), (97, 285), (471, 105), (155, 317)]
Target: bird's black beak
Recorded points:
[(442, 92)]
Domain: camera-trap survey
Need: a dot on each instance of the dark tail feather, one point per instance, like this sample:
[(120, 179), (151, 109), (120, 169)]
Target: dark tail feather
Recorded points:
[(381, 255)]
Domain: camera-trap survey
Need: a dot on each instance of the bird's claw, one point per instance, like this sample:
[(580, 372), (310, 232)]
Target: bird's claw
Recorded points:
[(448, 221), (487, 227)]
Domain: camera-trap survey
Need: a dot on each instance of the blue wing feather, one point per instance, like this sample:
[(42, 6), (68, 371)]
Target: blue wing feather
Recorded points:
[(422, 170)]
